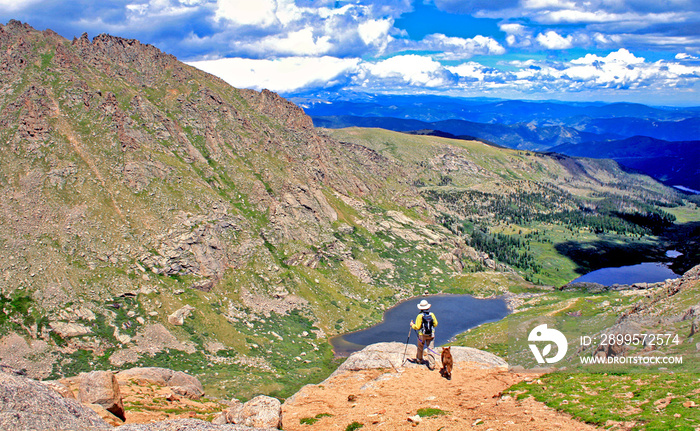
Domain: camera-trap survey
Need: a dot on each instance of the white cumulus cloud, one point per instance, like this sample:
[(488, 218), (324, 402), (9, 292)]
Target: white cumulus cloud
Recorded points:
[(375, 31), (552, 40), (281, 75), (16, 5), (245, 12), (297, 43), (414, 70), (451, 48)]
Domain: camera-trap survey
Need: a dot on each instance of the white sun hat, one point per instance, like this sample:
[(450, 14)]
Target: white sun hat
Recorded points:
[(424, 305)]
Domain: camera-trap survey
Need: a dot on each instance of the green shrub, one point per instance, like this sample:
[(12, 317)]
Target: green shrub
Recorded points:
[(308, 421), (429, 412), (313, 420)]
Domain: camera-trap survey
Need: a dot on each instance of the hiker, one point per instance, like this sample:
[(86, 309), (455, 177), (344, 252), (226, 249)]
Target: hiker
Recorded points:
[(424, 325)]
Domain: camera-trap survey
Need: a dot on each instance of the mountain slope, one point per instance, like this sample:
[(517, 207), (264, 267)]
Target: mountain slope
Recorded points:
[(686, 129), (134, 186), (674, 163)]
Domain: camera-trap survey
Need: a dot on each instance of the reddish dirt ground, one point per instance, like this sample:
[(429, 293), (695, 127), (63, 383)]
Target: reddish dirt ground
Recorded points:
[(386, 400)]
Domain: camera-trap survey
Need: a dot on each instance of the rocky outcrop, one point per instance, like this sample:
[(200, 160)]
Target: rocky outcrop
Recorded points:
[(693, 273), (181, 383), (102, 388), (272, 104), (65, 330), (261, 411), (29, 405), (391, 355)]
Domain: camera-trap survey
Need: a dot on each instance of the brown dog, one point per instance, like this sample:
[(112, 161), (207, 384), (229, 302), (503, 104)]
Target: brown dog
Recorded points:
[(446, 358)]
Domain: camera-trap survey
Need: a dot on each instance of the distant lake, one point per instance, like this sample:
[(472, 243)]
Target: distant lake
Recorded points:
[(455, 314), (648, 272)]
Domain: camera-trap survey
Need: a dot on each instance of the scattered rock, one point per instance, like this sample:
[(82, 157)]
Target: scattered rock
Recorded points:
[(692, 313), (589, 287), (358, 269), (693, 272), (262, 411), (181, 383), (122, 338), (65, 330), (178, 317), (85, 314), (228, 415), (101, 387), (29, 355), (173, 397)]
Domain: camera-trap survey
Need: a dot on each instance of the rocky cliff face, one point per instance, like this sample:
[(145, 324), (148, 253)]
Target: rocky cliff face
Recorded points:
[(116, 154)]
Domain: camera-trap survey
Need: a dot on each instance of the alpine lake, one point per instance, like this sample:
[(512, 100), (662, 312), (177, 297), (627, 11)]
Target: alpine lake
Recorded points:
[(458, 313), (455, 314)]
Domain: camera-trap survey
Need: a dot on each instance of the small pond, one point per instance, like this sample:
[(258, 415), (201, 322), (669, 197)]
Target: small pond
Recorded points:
[(455, 314)]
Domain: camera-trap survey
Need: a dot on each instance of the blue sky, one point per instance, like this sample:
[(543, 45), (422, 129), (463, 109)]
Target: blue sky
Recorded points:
[(644, 51)]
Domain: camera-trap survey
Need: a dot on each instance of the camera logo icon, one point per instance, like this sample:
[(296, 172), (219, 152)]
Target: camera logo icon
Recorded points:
[(553, 337)]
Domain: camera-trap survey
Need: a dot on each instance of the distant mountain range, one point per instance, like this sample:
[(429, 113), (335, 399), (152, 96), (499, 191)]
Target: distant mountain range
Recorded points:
[(519, 136), (659, 141), (431, 108)]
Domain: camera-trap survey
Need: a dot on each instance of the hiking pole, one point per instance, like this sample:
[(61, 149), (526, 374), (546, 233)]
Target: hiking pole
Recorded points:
[(406, 348)]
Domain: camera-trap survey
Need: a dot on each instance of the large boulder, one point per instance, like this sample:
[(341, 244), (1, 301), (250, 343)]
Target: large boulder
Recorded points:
[(181, 383), (261, 411), (26, 404), (65, 330), (102, 388), (394, 355), (179, 316), (145, 375), (186, 385)]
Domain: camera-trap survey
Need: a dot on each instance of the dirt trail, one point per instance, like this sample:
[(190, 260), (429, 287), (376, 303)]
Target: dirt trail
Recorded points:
[(381, 399)]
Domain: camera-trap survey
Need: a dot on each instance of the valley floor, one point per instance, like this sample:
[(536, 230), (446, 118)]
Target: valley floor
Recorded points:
[(383, 400)]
